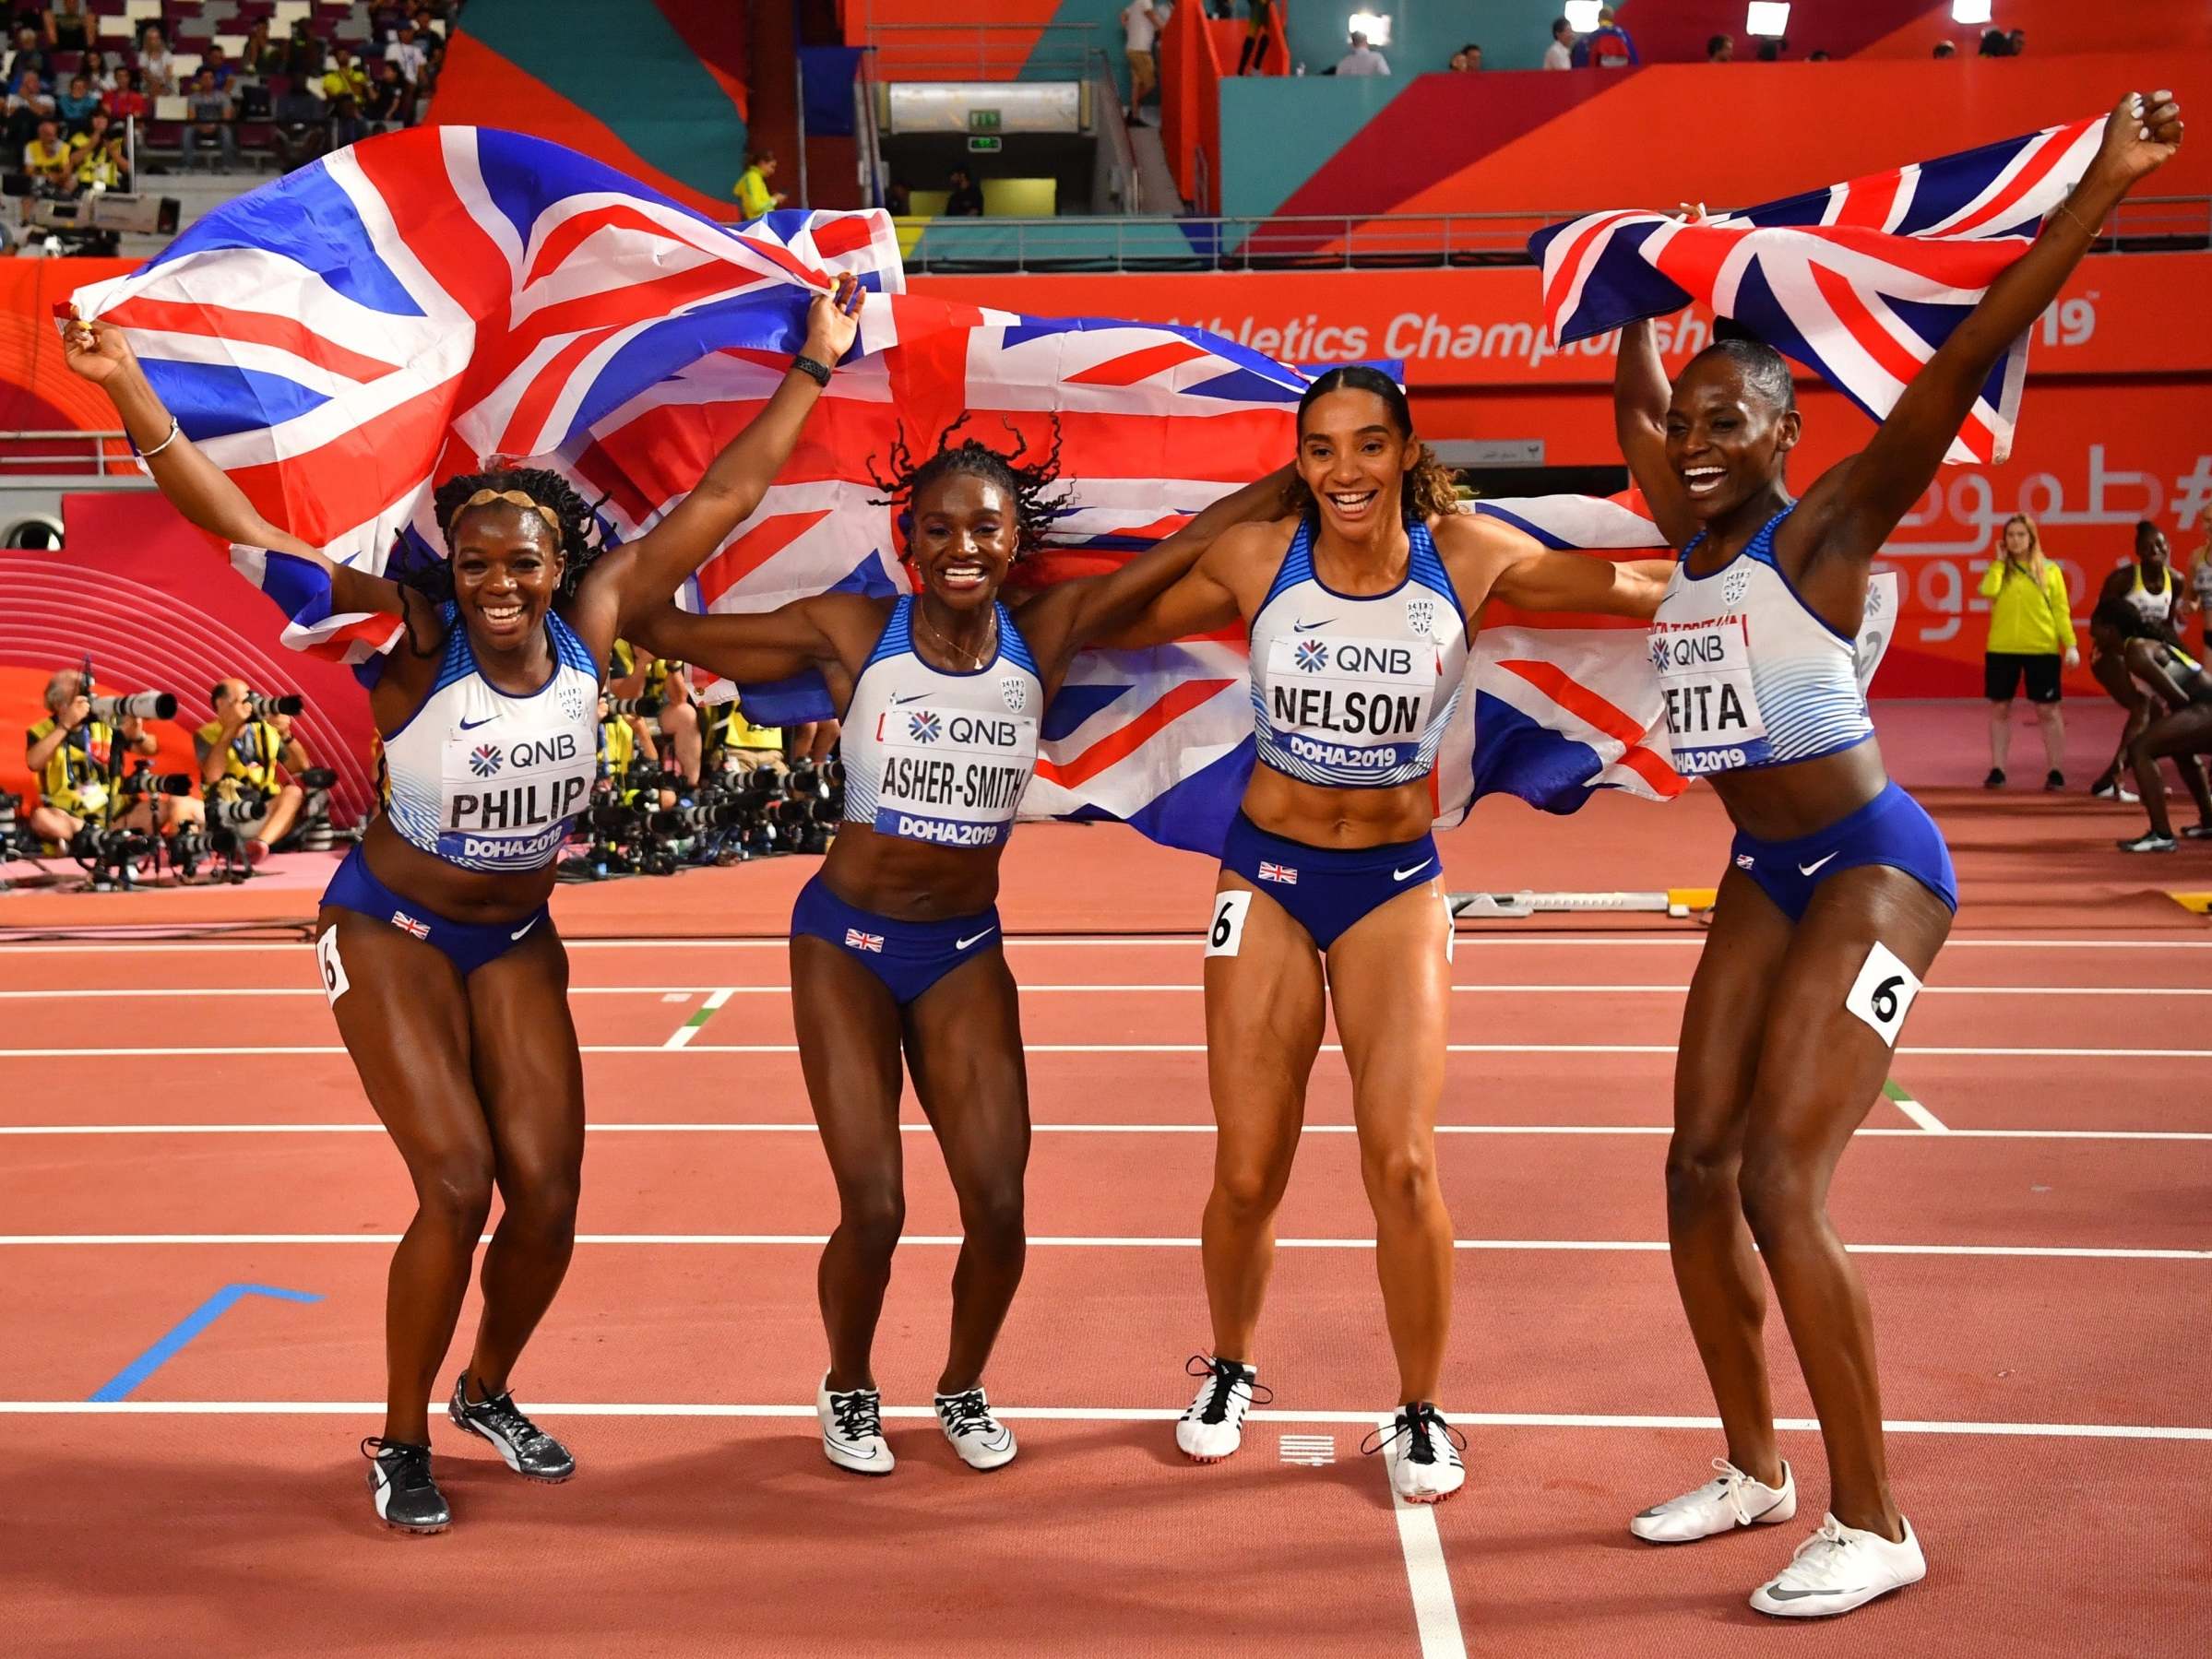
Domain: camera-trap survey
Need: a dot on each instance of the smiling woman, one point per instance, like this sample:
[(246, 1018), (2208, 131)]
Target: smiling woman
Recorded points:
[(443, 968)]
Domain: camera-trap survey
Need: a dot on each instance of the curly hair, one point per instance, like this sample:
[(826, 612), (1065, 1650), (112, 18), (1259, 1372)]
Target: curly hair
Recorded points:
[(580, 537), (1029, 487), (1429, 490)]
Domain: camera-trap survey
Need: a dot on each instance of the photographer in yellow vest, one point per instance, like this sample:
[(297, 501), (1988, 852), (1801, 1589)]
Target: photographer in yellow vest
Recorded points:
[(245, 755), (68, 752)]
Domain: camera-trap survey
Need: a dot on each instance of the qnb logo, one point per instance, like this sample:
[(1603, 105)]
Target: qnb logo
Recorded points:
[(924, 728), (485, 761), (1312, 655)]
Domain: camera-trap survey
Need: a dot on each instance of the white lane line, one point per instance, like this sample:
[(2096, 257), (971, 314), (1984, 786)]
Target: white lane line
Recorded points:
[(1920, 1115), (714, 1127), (180, 1052), (681, 1037), (1071, 1241), (200, 992), (1063, 1414), (1435, 1612)]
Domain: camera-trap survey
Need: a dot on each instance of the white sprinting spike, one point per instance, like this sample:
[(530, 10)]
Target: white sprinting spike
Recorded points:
[(1314, 1451)]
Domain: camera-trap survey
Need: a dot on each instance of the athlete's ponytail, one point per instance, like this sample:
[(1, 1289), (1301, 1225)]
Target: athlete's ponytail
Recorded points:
[(1430, 492)]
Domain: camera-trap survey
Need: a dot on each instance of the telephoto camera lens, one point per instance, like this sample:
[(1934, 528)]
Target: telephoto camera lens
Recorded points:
[(265, 708), (633, 705), (318, 778), (145, 782), (137, 706), (246, 809)]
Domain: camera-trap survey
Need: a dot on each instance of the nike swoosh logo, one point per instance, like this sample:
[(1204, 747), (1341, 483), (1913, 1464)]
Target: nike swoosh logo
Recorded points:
[(472, 724), (964, 943), (1781, 1595), (1309, 627), (525, 928), (1400, 875), (848, 1448), (1809, 869), (917, 697)]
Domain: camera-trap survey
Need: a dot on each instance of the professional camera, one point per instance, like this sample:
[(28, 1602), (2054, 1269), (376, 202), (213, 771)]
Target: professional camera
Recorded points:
[(135, 705), (318, 778), (11, 824), (246, 808), (644, 706), (268, 708), (142, 779), (113, 857)]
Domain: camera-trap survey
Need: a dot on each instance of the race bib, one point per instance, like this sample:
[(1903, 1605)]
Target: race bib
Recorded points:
[(507, 803), (1349, 703), (334, 983), (1712, 711), (952, 775)]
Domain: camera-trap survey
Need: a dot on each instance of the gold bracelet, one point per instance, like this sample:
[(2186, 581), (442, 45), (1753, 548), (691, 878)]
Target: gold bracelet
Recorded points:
[(2066, 206)]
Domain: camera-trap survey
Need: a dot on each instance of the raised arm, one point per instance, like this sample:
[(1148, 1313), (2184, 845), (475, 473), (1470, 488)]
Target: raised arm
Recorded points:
[(638, 579), (1897, 465), (1641, 394), (195, 486), (1095, 609), (1202, 600), (1490, 558)]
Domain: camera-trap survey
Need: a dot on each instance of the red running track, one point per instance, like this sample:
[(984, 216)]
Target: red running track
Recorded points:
[(2039, 1264)]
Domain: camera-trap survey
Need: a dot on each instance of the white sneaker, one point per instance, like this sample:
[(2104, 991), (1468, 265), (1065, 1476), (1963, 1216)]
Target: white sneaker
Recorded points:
[(1423, 1450), (1718, 1506), (1214, 1426), (983, 1441), (852, 1430), (1840, 1567)]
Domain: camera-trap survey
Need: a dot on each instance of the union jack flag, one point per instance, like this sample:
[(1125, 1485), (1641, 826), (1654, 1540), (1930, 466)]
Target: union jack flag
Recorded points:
[(1285, 873), (408, 924), (857, 940), (1860, 282)]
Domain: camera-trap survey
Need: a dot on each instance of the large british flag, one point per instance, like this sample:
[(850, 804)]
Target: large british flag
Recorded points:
[(1860, 282), (344, 340)]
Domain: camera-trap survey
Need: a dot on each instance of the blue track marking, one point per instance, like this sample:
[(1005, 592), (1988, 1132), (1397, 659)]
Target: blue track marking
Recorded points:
[(120, 1385)]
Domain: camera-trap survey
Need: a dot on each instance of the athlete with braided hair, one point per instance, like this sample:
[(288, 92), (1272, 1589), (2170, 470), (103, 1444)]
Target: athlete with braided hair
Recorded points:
[(442, 967), (895, 942)]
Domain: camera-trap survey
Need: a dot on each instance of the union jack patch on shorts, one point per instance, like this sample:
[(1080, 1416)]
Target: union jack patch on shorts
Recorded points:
[(401, 919), (1285, 873), (857, 940)]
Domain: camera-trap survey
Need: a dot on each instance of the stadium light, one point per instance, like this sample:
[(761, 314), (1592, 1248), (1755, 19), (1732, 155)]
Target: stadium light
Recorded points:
[(1969, 11), (1582, 15), (1766, 19), (1375, 26)]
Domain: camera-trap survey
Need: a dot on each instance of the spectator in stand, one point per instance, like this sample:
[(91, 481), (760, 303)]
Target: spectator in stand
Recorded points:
[(127, 102), (216, 62), (258, 57), (302, 126), (754, 198), (210, 126), (1816, 56), (1770, 51), (2016, 42), (2032, 636), (344, 78), (1259, 33), (304, 53), (1560, 54), (1140, 35), (390, 102), (348, 125), (967, 198), (1468, 60), (27, 108), (69, 27), (1945, 49), (1995, 43), (101, 162), (98, 72), (157, 67), (1720, 49), (29, 58), (46, 158), (76, 106), (1363, 59), (1607, 47), (405, 49)]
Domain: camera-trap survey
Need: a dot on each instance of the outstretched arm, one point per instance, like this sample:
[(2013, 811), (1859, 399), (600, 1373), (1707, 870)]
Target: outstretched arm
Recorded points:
[(195, 486), (1500, 561), (1896, 467), (1641, 394), (746, 646), (1203, 600), (1094, 609), (641, 575)]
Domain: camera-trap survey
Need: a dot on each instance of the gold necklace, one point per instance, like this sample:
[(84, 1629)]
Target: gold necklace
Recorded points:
[(954, 651)]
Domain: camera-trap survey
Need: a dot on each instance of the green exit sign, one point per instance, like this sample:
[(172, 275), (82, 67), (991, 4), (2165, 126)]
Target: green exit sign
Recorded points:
[(982, 147), (982, 121)]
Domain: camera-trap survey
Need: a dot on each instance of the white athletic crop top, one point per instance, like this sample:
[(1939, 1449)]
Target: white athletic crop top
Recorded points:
[(488, 781), (1752, 677), (1354, 692), (2152, 607), (938, 756)]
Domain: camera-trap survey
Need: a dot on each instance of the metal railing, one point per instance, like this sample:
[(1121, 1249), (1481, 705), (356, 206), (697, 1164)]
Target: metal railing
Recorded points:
[(73, 454), (1347, 241), (983, 50)]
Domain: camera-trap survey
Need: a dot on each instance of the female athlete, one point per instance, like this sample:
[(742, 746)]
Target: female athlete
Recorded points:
[(2148, 586), (444, 973), (2171, 690), (1840, 889), (895, 942), (1361, 607)]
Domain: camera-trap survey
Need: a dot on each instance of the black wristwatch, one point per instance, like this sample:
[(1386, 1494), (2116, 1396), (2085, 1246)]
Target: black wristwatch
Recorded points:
[(817, 373)]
